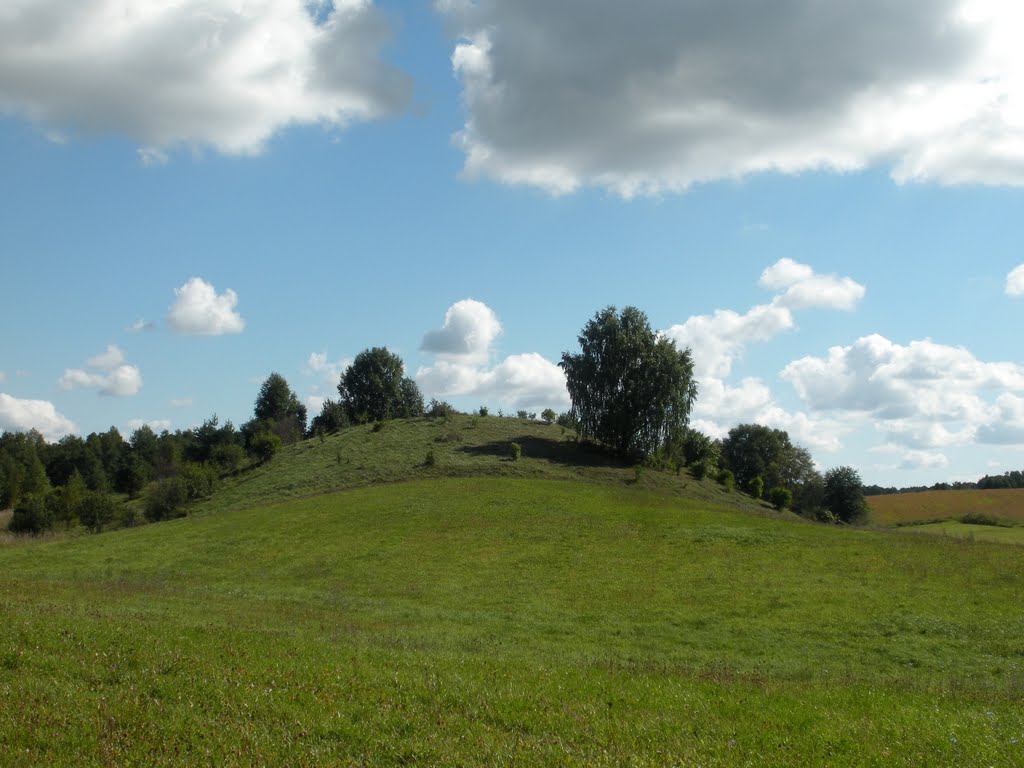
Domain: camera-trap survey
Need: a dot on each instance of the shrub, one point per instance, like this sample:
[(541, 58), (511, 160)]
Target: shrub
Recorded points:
[(439, 409), (199, 480), (701, 469), (756, 487), (228, 456), (483, 410), (265, 446), (522, 415), (378, 426), (549, 415), (726, 479), (165, 499), (96, 510), (31, 515), (431, 459), (515, 450), (780, 498)]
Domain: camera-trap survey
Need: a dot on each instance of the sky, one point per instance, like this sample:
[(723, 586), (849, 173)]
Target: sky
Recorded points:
[(821, 199)]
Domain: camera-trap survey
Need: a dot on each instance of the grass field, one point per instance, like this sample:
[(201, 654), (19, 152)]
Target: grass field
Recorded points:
[(996, 533), (509, 621), (905, 508)]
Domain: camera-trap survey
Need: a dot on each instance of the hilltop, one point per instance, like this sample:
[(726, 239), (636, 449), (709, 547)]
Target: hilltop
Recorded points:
[(461, 446)]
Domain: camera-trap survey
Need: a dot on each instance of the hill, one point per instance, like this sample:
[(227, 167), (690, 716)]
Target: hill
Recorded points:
[(461, 446), (510, 617)]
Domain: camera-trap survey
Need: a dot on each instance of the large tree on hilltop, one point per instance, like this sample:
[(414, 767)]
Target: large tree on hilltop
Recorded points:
[(631, 389), (374, 388)]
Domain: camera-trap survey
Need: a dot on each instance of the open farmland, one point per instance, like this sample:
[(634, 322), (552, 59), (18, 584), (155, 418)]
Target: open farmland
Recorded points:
[(908, 508), (501, 621)]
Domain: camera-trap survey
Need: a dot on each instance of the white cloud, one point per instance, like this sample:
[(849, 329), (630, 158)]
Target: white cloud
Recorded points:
[(648, 97), (112, 357), (1015, 282), (469, 329), (462, 349), (123, 381), (1004, 424), (199, 311), (212, 73), (110, 375), (157, 425), (141, 325), (18, 415), (317, 364), (717, 340), (181, 402), (519, 381), (924, 460), (891, 381)]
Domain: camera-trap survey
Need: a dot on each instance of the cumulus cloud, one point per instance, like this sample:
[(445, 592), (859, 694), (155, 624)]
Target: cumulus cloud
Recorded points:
[(462, 349), (107, 360), (199, 310), (211, 73), (924, 460), (318, 364), (17, 415), (922, 396), (110, 375), (1015, 282), (647, 97), (718, 339), (469, 328)]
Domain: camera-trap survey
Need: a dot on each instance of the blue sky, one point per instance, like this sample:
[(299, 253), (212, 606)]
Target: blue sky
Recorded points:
[(823, 206)]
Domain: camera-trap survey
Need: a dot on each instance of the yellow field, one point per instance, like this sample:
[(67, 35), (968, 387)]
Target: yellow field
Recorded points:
[(899, 508)]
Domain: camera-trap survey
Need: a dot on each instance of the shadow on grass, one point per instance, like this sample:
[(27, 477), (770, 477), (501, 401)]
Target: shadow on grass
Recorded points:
[(556, 451)]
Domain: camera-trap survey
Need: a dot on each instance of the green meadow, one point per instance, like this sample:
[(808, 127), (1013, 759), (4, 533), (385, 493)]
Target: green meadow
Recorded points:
[(553, 613)]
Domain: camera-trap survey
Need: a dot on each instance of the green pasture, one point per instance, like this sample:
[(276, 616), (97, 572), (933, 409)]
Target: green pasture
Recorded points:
[(509, 621)]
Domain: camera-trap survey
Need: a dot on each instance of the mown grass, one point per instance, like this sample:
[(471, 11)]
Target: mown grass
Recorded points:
[(932, 506), (509, 621), (1002, 534)]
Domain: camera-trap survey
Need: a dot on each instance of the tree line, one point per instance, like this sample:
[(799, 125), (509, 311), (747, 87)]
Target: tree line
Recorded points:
[(631, 391)]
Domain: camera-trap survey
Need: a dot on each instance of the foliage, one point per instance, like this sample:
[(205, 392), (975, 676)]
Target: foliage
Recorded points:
[(265, 446), (431, 459), (566, 420), (756, 487), (440, 409), (515, 450), (780, 498), (844, 495), (165, 499), (31, 515), (96, 510), (277, 403), (373, 388), (331, 418), (549, 415), (703, 468), (696, 446), (228, 458), (483, 410), (726, 479), (199, 480), (630, 389)]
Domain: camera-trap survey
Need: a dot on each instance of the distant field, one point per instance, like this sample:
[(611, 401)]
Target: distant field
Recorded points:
[(903, 508), (507, 621), (977, 532)]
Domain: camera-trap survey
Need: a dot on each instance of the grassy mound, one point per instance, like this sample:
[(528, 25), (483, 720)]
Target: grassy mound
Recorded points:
[(460, 446), (491, 621)]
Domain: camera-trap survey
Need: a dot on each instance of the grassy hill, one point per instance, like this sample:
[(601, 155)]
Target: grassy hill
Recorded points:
[(987, 515), (540, 612), (462, 446)]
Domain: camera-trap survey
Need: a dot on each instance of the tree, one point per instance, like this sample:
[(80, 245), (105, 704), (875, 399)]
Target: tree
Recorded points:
[(844, 495), (630, 389), (752, 450), (331, 418), (374, 388), (96, 510), (277, 403), (549, 415)]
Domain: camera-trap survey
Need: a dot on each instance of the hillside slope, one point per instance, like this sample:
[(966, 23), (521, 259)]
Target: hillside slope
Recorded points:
[(491, 621), (462, 446)]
